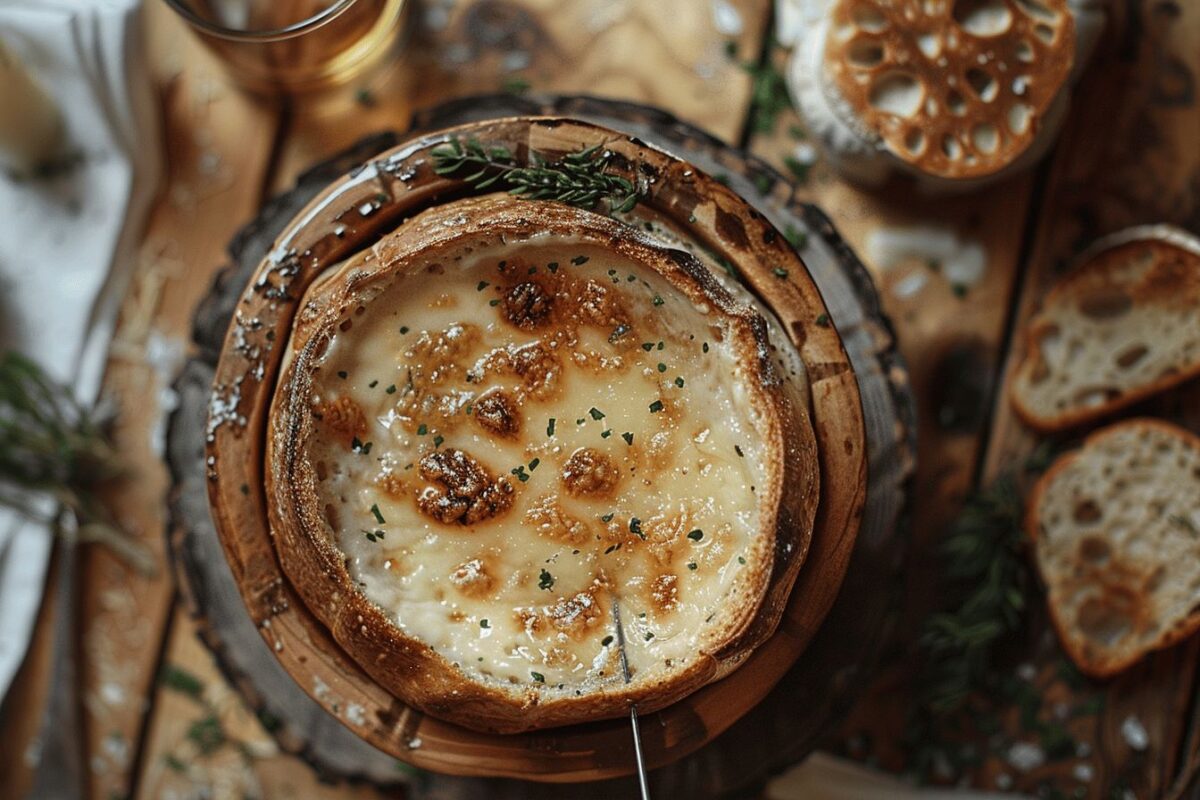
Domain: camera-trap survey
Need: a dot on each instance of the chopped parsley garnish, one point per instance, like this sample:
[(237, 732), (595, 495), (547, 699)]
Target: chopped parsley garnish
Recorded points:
[(607, 517), (537, 676), (635, 526), (823, 320), (374, 536), (704, 347), (545, 580), (479, 287), (656, 407), (661, 345), (403, 329), (372, 384), (795, 237), (552, 266), (363, 448), (606, 641), (580, 421), (520, 473), (780, 272), (679, 382), (493, 303), (378, 516), (391, 389), (647, 346), (628, 437), (534, 464), (692, 565), (658, 301), (483, 623), (696, 535), (577, 260), (606, 434), (741, 560), (662, 367), (422, 429), (649, 636), (342, 374), (437, 441), (596, 413), (738, 449), (550, 427)]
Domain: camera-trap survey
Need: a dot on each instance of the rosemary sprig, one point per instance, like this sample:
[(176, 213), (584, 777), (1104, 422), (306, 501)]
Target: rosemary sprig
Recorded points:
[(53, 446), (579, 179)]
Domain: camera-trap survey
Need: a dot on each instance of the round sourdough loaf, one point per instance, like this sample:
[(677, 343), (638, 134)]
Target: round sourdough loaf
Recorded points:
[(508, 417)]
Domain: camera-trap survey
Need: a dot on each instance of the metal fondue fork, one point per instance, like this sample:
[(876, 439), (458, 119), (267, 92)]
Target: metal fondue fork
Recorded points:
[(633, 716)]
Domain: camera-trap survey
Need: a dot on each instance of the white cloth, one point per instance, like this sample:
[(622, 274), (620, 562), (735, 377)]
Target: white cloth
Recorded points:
[(68, 240)]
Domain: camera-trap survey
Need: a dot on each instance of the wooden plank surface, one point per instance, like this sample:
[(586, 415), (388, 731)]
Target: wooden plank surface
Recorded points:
[(1130, 153)]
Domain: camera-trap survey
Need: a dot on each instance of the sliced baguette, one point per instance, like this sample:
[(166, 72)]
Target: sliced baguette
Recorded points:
[(1116, 532), (1123, 325)]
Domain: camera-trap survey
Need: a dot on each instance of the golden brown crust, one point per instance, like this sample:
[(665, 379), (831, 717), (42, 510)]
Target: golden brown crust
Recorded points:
[(1172, 280), (1124, 589), (409, 668), (955, 89)]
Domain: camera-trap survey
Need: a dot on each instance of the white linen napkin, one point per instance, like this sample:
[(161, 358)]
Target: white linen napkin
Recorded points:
[(68, 238)]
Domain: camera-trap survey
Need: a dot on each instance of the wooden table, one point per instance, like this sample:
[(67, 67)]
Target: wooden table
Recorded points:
[(1130, 154)]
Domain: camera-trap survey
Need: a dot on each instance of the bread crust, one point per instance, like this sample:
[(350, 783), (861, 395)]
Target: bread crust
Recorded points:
[(1159, 238), (1103, 668), (406, 666)]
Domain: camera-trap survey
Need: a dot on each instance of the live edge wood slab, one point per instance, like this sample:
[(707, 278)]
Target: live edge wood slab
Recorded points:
[(863, 415)]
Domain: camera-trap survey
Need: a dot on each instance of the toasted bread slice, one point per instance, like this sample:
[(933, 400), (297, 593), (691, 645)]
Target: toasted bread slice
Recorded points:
[(1120, 327), (1116, 531)]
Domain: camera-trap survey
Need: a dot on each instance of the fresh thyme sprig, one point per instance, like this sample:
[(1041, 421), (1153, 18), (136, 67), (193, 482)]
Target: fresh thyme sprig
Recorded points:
[(53, 446), (579, 179)]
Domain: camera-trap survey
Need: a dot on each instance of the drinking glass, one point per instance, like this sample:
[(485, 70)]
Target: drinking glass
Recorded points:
[(290, 46)]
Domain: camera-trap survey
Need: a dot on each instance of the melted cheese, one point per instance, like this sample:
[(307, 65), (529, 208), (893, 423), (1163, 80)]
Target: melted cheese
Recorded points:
[(508, 441)]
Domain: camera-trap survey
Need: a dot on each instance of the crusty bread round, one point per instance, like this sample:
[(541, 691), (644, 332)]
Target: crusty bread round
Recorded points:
[(1116, 329), (1116, 532), (405, 664), (956, 90)]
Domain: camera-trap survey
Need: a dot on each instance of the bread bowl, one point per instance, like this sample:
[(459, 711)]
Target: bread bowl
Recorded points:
[(506, 414)]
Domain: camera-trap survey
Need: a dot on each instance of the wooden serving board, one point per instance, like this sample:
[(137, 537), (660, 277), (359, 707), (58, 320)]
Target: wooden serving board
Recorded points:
[(809, 696)]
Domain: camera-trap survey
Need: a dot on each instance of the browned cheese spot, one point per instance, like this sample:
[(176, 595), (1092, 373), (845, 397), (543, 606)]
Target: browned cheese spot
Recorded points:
[(664, 592), (548, 518), (472, 578), (343, 417), (527, 305), (497, 413), (589, 472), (466, 493)]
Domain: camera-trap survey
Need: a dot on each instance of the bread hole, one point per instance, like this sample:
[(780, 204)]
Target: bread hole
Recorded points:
[(1087, 512), (1019, 118), (358, 312), (1106, 620), (951, 147), (345, 325), (984, 85), (1094, 397), (930, 45), (1035, 9), (322, 470), (1044, 32), (914, 140), (331, 516), (1024, 51), (869, 18), (986, 138), (956, 102), (983, 17), (898, 93), (1105, 303), (865, 53), (1131, 355), (1094, 550)]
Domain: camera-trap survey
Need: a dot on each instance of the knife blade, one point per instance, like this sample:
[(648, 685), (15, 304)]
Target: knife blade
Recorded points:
[(643, 784)]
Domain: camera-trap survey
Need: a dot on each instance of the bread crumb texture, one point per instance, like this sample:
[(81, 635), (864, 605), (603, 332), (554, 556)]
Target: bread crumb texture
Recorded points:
[(1116, 527)]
